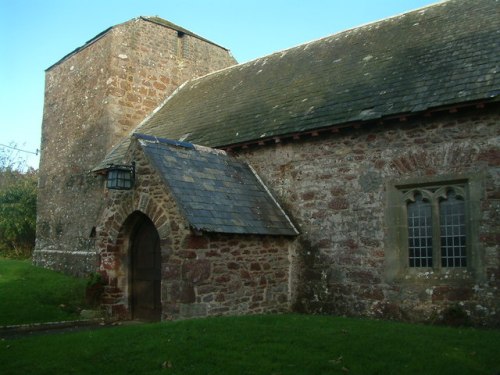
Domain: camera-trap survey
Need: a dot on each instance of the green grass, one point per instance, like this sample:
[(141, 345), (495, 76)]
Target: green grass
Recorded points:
[(29, 294), (286, 344), (274, 344)]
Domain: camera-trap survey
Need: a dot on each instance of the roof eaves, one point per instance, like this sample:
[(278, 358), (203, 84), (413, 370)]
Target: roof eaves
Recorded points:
[(114, 156), (493, 98)]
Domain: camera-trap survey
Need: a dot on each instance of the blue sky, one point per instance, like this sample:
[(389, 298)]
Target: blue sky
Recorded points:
[(35, 34)]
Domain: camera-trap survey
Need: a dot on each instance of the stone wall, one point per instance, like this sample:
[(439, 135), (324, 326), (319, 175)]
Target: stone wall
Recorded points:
[(202, 274), (115, 227), (148, 62), (74, 135), (337, 189), (227, 274), (93, 98)]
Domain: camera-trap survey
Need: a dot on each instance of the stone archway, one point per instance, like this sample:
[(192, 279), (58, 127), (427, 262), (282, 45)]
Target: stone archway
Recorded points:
[(145, 269), (117, 231)]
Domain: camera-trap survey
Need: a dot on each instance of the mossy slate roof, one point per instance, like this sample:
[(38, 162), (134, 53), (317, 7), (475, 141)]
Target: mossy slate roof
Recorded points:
[(215, 192), (440, 55)]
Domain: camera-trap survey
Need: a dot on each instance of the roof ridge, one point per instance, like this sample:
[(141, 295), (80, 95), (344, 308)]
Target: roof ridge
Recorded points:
[(165, 141), (357, 75), (371, 23)]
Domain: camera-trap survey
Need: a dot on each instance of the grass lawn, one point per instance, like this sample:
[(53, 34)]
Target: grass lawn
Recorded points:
[(286, 344), (29, 294), (271, 344)]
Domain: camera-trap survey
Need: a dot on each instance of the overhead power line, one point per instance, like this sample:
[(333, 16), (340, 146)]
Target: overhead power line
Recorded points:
[(18, 149)]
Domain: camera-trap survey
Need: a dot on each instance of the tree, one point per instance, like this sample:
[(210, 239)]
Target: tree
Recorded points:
[(18, 191)]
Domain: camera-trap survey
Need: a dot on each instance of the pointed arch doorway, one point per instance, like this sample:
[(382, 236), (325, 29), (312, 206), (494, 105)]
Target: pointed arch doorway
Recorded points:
[(145, 270)]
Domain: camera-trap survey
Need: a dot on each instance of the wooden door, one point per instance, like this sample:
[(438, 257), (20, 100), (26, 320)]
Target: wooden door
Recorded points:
[(146, 273)]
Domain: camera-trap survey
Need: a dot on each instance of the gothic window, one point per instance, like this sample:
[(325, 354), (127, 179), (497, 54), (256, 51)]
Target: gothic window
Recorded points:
[(433, 226), (436, 230)]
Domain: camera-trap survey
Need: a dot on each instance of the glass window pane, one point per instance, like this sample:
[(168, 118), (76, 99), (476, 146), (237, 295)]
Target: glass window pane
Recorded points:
[(420, 233), (453, 238)]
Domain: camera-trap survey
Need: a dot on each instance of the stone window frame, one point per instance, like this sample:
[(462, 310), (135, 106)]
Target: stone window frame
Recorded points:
[(396, 254), (432, 198)]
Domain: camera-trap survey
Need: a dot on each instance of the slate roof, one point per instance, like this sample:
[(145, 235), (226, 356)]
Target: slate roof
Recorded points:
[(215, 192), (437, 56)]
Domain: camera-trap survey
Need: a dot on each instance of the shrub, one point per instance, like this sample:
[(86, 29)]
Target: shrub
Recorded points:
[(18, 192)]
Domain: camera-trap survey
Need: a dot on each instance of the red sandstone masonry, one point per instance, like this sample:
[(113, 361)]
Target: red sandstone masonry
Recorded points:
[(333, 186), (92, 99), (202, 275), (339, 202), (220, 281)]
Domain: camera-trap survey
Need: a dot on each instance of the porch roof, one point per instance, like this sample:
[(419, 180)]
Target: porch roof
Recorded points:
[(215, 192)]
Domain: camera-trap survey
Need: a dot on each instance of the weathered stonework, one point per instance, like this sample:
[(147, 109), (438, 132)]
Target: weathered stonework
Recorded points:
[(336, 188), (227, 274), (341, 183), (93, 98), (202, 275)]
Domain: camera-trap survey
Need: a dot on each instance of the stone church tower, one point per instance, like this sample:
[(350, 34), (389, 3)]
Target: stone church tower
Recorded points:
[(94, 97)]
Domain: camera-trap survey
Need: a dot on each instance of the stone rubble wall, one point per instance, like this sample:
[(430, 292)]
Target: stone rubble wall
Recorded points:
[(74, 136), (227, 275), (202, 275), (148, 62), (93, 98), (336, 188)]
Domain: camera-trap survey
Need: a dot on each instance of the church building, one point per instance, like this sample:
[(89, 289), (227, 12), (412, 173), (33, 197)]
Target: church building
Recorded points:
[(358, 174)]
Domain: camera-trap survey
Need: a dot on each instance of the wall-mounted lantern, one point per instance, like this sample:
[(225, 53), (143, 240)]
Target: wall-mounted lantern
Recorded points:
[(120, 177)]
